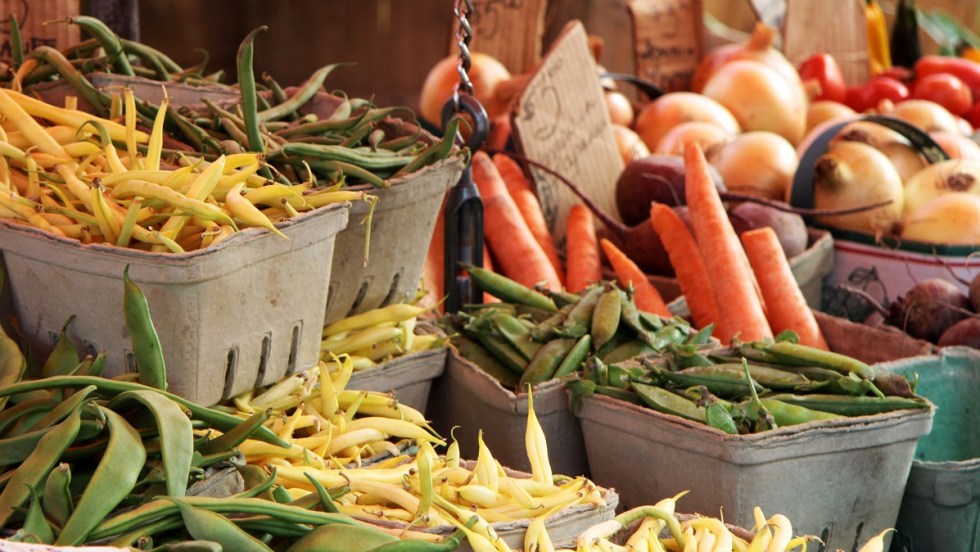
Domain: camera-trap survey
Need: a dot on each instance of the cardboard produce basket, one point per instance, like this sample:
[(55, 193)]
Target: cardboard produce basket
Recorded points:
[(468, 397), (841, 480), (408, 378), (941, 506), (242, 314)]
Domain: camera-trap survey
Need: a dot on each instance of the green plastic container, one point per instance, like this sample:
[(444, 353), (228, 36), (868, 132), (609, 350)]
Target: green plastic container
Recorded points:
[(941, 506)]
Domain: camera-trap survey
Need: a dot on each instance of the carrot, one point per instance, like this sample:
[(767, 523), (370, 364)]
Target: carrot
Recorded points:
[(646, 297), (740, 311), (529, 206), (786, 308), (433, 270), (582, 250), (518, 254), (692, 275)]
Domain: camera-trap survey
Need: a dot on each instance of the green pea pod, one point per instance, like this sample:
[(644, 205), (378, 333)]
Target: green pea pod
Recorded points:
[(892, 384), (720, 382), (686, 356), (664, 401), (575, 357), (281, 495), (702, 336), (35, 525), (619, 377), (176, 435), (209, 526), (718, 417), (631, 318), (342, 538), (516, 334), (113, 479), (787, 414), (802, 355), (544, 364), (670, 334), (508, 290), (33, 409), (56, 498), (546, 331), (605, 317), (850, 384), (618, 393), (146, 344), (755, 352), (35, 468), (64, 358), (237, 435), (475, 353), (626, 351), (771, 378), (846, 405), (579, 319), (502, 351)]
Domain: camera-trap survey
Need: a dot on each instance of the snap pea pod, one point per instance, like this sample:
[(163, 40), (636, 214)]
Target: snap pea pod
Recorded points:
[(850, 384), (622, 337), (606, 317), (724, 383), (802, 355), (546, 330), (516, 334), (508, 290), (626, 351), (631, 318), (666, 402), (544, 364), (210, 526), (847, 405), (771, 378), (147, 353), (575, 357), (579, 319), (500, 349), (787, 414)]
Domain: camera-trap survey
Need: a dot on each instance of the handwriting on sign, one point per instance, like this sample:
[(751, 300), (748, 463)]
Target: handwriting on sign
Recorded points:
[(489, 16), (667, 40)]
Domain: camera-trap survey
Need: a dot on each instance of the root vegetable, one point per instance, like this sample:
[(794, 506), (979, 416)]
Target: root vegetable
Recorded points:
[(824, 110), (966, 332), (939, 179), (657, 178), (789, 227), (952, 219), (928, 116), (956, 145), (619, 107), (930, 308), (759, 163), (485, 73), (852, 174), (975, 292), (900, 152), (707, 135), (631, 146), (760, 48), (666, 112)]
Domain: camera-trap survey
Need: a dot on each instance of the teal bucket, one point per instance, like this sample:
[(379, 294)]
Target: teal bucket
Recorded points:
[(941, 506)]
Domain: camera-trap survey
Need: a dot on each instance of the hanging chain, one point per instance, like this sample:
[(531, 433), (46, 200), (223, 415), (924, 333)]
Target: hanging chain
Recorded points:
[(463, 10)]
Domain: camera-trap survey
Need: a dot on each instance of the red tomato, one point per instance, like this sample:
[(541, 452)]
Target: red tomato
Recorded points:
[(973, 116), (945, 90), (824, 69), (867, 96)]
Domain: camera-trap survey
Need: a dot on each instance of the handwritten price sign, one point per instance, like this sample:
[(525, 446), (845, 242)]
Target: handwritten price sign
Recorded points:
[(666, 41), (509, 30)]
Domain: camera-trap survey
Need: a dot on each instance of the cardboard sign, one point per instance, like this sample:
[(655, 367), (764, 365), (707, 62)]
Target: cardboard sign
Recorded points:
[(560, 120), (770, 12), (837, 28), (667, 41), (509, 30), (31, 15)]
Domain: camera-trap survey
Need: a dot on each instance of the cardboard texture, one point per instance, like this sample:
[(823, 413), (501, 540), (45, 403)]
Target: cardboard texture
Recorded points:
[(400, 233), (181, 95), (239, 315), (841, 480), (473, 400), (509, 30), (667, 41), (31, 16), (770, 12), (409, 378), (853, 339), (941, 506), (837, 28), (561, 120)]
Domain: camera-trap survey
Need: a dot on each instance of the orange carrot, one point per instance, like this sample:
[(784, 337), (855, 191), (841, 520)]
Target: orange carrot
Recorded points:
[(740, 311), (511, 241), (433, 270), (692, 275), (646, 297), (786, 308), (529, 206), (582, 250)]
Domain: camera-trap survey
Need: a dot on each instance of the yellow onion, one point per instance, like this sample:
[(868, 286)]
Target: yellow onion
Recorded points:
[(758, 163), (854, 174), (760, 47), (928, 116), (485, 73), (952, 219), (900, 152), (666, 112), (631, 146), (825, 110), (707, 135), (956, 145), (945, 177)]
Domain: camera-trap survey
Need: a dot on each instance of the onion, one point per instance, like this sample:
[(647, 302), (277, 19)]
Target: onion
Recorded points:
[(485, 73), (954, 175), (907, 159), (758, 163), (956, 145), (619, 107), (631, 146), (759, 99), (759, 48), (949, 219), (707, 135), (826, 110), (852, 174), (674, 108), (928, 116)]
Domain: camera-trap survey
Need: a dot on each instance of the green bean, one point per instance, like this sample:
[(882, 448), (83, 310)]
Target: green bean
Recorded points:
[(303, 95), (169, 523), (35, 525), (279, 95), (436, 152), (34, 469), (246, 86), (508, 290), (210, 526), (176, 435), (257, 481), (377, 161), (320, 127), (188, 546), (544, 364), (401, 142), (220, 420), (11, 416), (347, 169), (150, 57), (114, 478), (203, 461), (13, 364), (605, 317), (95, 368), (236, 436), (802, 355), (261, 524), (16, 42), (56, 498), (326, 501), (573, 360), (109, 40), (150, 365), (92, 95)]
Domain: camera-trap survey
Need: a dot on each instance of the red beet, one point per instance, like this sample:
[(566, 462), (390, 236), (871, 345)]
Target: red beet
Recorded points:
[(965, 332), (657, 178), (929, 309)]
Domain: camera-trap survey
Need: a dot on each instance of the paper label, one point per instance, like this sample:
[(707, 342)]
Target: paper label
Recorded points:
[(31, 15), (560, 120), (509, 30), (667, 41), (770, 12)]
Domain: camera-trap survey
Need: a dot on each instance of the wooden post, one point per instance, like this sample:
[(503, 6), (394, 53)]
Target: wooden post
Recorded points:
[(838, 28), (509, 30)]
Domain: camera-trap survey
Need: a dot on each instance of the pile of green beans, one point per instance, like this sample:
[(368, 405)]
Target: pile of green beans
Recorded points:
[(751, 387), (535, 337), (357, 143)]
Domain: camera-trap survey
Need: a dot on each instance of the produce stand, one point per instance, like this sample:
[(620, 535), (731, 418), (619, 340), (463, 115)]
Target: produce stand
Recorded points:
[(640, 275)]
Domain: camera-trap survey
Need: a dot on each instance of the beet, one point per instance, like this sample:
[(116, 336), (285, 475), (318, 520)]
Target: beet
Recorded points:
[(929, 309), (789, 227), (965, 332), (975, 293), (657, 178)]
